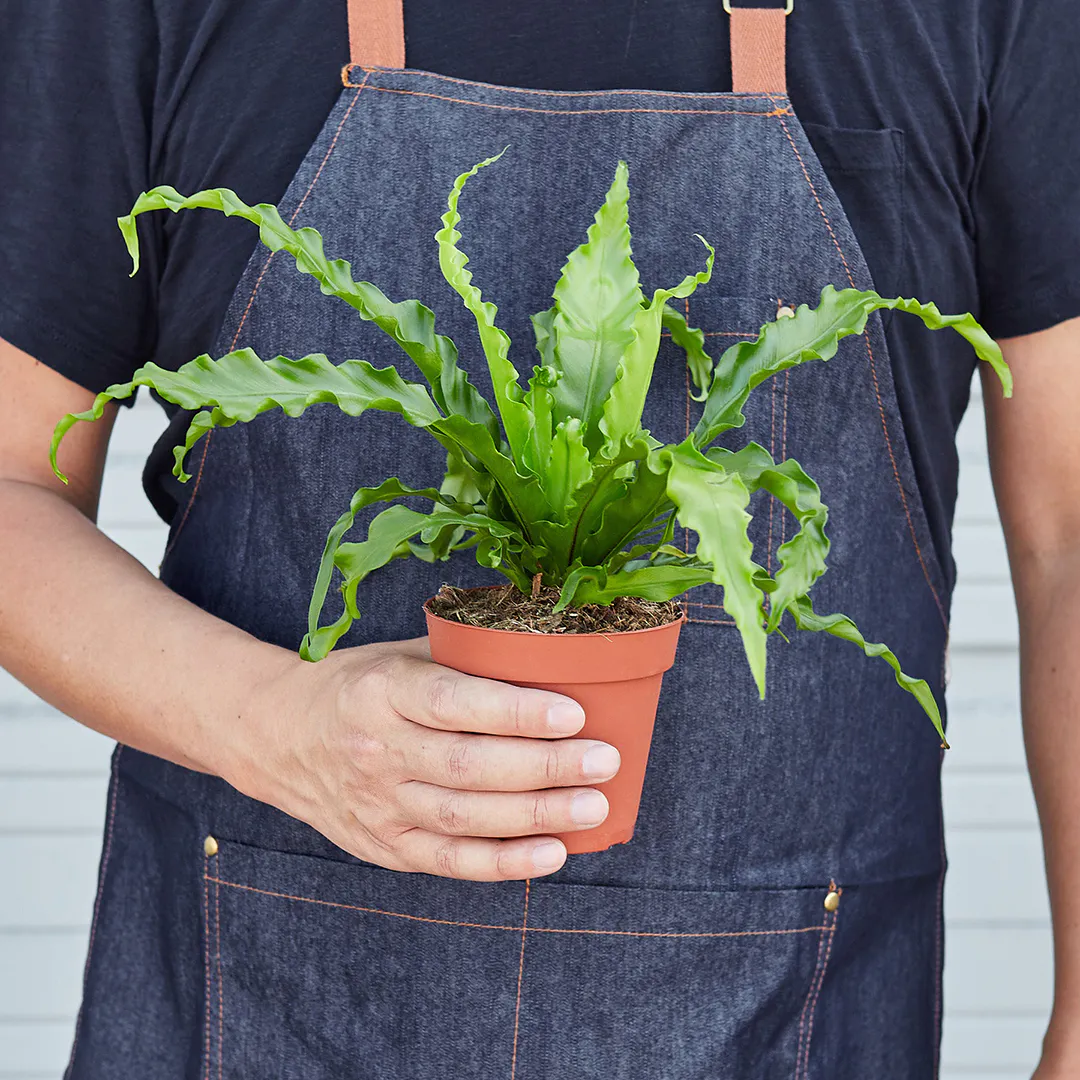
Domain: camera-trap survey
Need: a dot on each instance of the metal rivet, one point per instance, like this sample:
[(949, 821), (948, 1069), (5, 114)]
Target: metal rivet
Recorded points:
[(832, 901), (210, 846), (785, 311)]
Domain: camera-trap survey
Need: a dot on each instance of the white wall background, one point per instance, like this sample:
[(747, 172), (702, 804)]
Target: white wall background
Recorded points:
[(53, 776)]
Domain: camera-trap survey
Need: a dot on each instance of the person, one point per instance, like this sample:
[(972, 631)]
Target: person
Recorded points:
[(346, 869)]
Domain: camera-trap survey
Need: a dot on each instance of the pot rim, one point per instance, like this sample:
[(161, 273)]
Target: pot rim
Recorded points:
[(547, 634)]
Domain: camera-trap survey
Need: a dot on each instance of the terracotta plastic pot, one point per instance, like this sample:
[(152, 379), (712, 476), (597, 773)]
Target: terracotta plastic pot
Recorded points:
[(615, 678)]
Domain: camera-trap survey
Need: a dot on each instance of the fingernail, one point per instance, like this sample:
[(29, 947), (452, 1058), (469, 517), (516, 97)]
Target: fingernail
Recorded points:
[(548, 855), (565, 717), (588, 808), (601, 762)]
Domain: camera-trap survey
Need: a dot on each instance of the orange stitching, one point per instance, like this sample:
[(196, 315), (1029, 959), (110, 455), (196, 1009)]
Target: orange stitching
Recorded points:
[(115, 784), (686, 531), (783, 453), (559, 93), (206, 956), (809, 995), (820, 983), (772, 453), (899, 486), (251, 301), (515, 929), (687, 604), (574, 112), (299, 206), (521, 976), (194, 492), (220, 984), (873, 375)]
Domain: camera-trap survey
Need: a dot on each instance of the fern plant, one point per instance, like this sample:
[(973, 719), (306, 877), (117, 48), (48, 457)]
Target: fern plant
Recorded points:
[(559, 479)]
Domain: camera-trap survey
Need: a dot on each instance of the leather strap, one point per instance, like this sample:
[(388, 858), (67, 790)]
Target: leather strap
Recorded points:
[(758, 51), (758, 43), (376, 33)]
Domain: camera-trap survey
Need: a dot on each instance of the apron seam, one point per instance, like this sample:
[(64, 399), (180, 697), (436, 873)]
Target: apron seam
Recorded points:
[(520, 980), (877, 393), (513, 927), (777, 112), (213, 969), (809, 995), (217, 961), (828, 930), (372, 69), (251, 300), (106, 854), (206, 966), (939, 951), (873, 374), (686, 605)]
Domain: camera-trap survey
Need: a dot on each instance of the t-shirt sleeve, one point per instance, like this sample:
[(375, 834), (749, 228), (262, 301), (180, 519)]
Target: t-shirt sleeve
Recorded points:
[(1027, 189), (76, 92)]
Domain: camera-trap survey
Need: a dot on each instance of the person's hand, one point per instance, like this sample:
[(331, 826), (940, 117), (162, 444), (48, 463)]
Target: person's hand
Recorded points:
[(417, 767)]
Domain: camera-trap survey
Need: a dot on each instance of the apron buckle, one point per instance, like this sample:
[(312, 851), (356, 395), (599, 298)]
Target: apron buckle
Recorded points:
[(789, 7)]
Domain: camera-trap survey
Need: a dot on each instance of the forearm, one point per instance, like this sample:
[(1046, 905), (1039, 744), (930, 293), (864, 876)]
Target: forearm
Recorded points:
[(1048, 598), (90, 630)]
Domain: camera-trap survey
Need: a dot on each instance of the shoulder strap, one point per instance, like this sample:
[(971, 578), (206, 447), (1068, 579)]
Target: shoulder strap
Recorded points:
[(376, 33), (758, 42), (758, 49)]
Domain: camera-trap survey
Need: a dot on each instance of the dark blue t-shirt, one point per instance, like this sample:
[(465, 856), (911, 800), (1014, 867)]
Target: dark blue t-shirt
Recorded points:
[(948, 128)]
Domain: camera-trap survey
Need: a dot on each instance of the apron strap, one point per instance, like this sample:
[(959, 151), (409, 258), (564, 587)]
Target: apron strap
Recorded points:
[(758, 43), (758, 49), (376, 33)]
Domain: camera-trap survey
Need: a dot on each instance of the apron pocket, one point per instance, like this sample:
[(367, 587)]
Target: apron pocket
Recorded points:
[(324, 969), (866, 170)]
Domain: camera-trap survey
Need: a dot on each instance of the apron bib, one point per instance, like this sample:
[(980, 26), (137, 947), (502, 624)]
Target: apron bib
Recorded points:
[(704, 948)]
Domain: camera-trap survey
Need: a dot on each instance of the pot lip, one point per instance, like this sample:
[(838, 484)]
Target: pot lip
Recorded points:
[(532, 635)]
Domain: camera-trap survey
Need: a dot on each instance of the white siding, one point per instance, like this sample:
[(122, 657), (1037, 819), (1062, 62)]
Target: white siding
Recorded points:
[(53, 777)]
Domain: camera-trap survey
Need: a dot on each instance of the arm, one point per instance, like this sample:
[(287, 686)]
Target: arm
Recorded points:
[(366, 746), (1035, 460)]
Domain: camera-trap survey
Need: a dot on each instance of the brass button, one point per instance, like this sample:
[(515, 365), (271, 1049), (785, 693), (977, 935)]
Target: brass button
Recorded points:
[(832, 901), (210, 846), (785, 311)]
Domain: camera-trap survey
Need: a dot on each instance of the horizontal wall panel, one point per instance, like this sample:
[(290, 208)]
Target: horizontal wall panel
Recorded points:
[(981, 801), (984, 737), (137, 428), (999, 971), (981, 1073), (52, 881), (1010, 1043), (971, 435), (48, 804), (975, 500), (983, 615), (995, 877), (35, 1048), (16, 698), (988, 678), (979, 550), (984, 712), (42, 974), (123, 501), (51, 743)]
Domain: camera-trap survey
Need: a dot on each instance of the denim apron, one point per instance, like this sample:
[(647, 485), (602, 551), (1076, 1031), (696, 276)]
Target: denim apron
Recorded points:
[(778, 912)]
